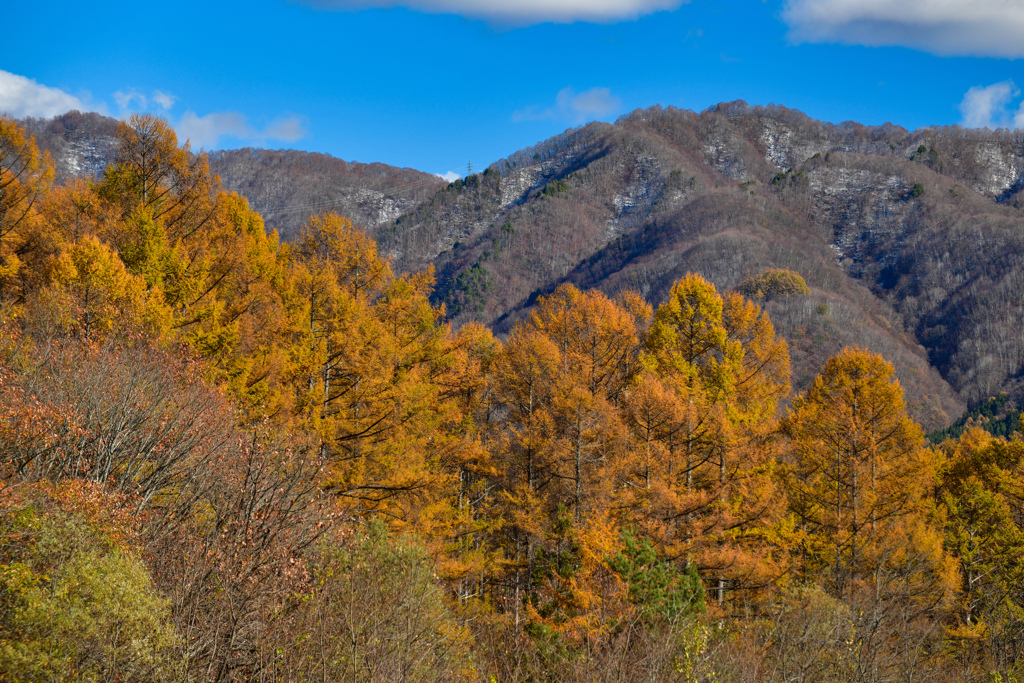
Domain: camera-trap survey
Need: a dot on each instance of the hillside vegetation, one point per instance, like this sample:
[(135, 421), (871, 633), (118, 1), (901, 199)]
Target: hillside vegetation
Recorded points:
[(285, 186), (910, 242), (226, 457)]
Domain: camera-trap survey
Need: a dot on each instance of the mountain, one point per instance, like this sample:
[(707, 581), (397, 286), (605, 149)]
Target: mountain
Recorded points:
[(82, 145), (912, 242), (285, 186)]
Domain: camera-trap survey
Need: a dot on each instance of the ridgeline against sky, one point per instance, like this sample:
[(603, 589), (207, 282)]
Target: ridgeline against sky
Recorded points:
[(433, 84)]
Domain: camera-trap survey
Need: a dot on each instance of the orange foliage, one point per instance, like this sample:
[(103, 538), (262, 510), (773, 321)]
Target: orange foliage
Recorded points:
[(522, 464), (861, 480)]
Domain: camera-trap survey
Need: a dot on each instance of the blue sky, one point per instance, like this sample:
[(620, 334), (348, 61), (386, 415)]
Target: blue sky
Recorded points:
[(434, 84)]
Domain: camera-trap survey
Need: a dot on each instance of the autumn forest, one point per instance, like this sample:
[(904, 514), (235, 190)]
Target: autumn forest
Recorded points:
[(225, 456)]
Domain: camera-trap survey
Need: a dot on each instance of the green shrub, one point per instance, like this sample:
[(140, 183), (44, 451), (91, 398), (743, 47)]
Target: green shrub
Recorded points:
[(74, 606), (659, 590), (555, 187), (469, 291)]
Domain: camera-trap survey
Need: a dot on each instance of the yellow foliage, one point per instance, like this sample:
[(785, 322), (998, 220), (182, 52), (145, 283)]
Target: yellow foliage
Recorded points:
[(861, 478), (91, 293), (25, 178)]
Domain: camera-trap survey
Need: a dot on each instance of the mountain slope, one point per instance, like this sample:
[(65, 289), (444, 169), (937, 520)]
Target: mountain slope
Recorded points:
[(81, 145), (911, 243), (285, 186)]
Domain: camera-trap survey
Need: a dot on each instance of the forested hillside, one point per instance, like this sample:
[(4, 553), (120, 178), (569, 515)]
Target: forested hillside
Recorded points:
[(285, 186), (228, 457), (910, 243), (80, 145)]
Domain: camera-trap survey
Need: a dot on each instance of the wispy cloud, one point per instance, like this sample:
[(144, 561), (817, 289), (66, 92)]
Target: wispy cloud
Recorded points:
[(206, 131), (133, 100), (991, 106), (20, 97), (595, 103), (993, 28), (450, 176), (164, 100), (518, 12), (287, 128)]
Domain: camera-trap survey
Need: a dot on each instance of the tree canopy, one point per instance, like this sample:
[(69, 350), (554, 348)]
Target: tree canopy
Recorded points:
[(224, 457)]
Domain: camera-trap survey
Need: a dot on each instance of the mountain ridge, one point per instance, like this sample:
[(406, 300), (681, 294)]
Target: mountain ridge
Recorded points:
[(284, 186), (910, 241), (662, 192)]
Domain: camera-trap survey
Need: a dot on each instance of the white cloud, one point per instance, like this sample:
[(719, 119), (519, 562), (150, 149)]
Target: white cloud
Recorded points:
[(518, 12), (164, 100), (206, 131), (20, 97), (992, 28), (450, 176), (991, 107), (125, 100), (286, 128), (132, 100), (591, 104)]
